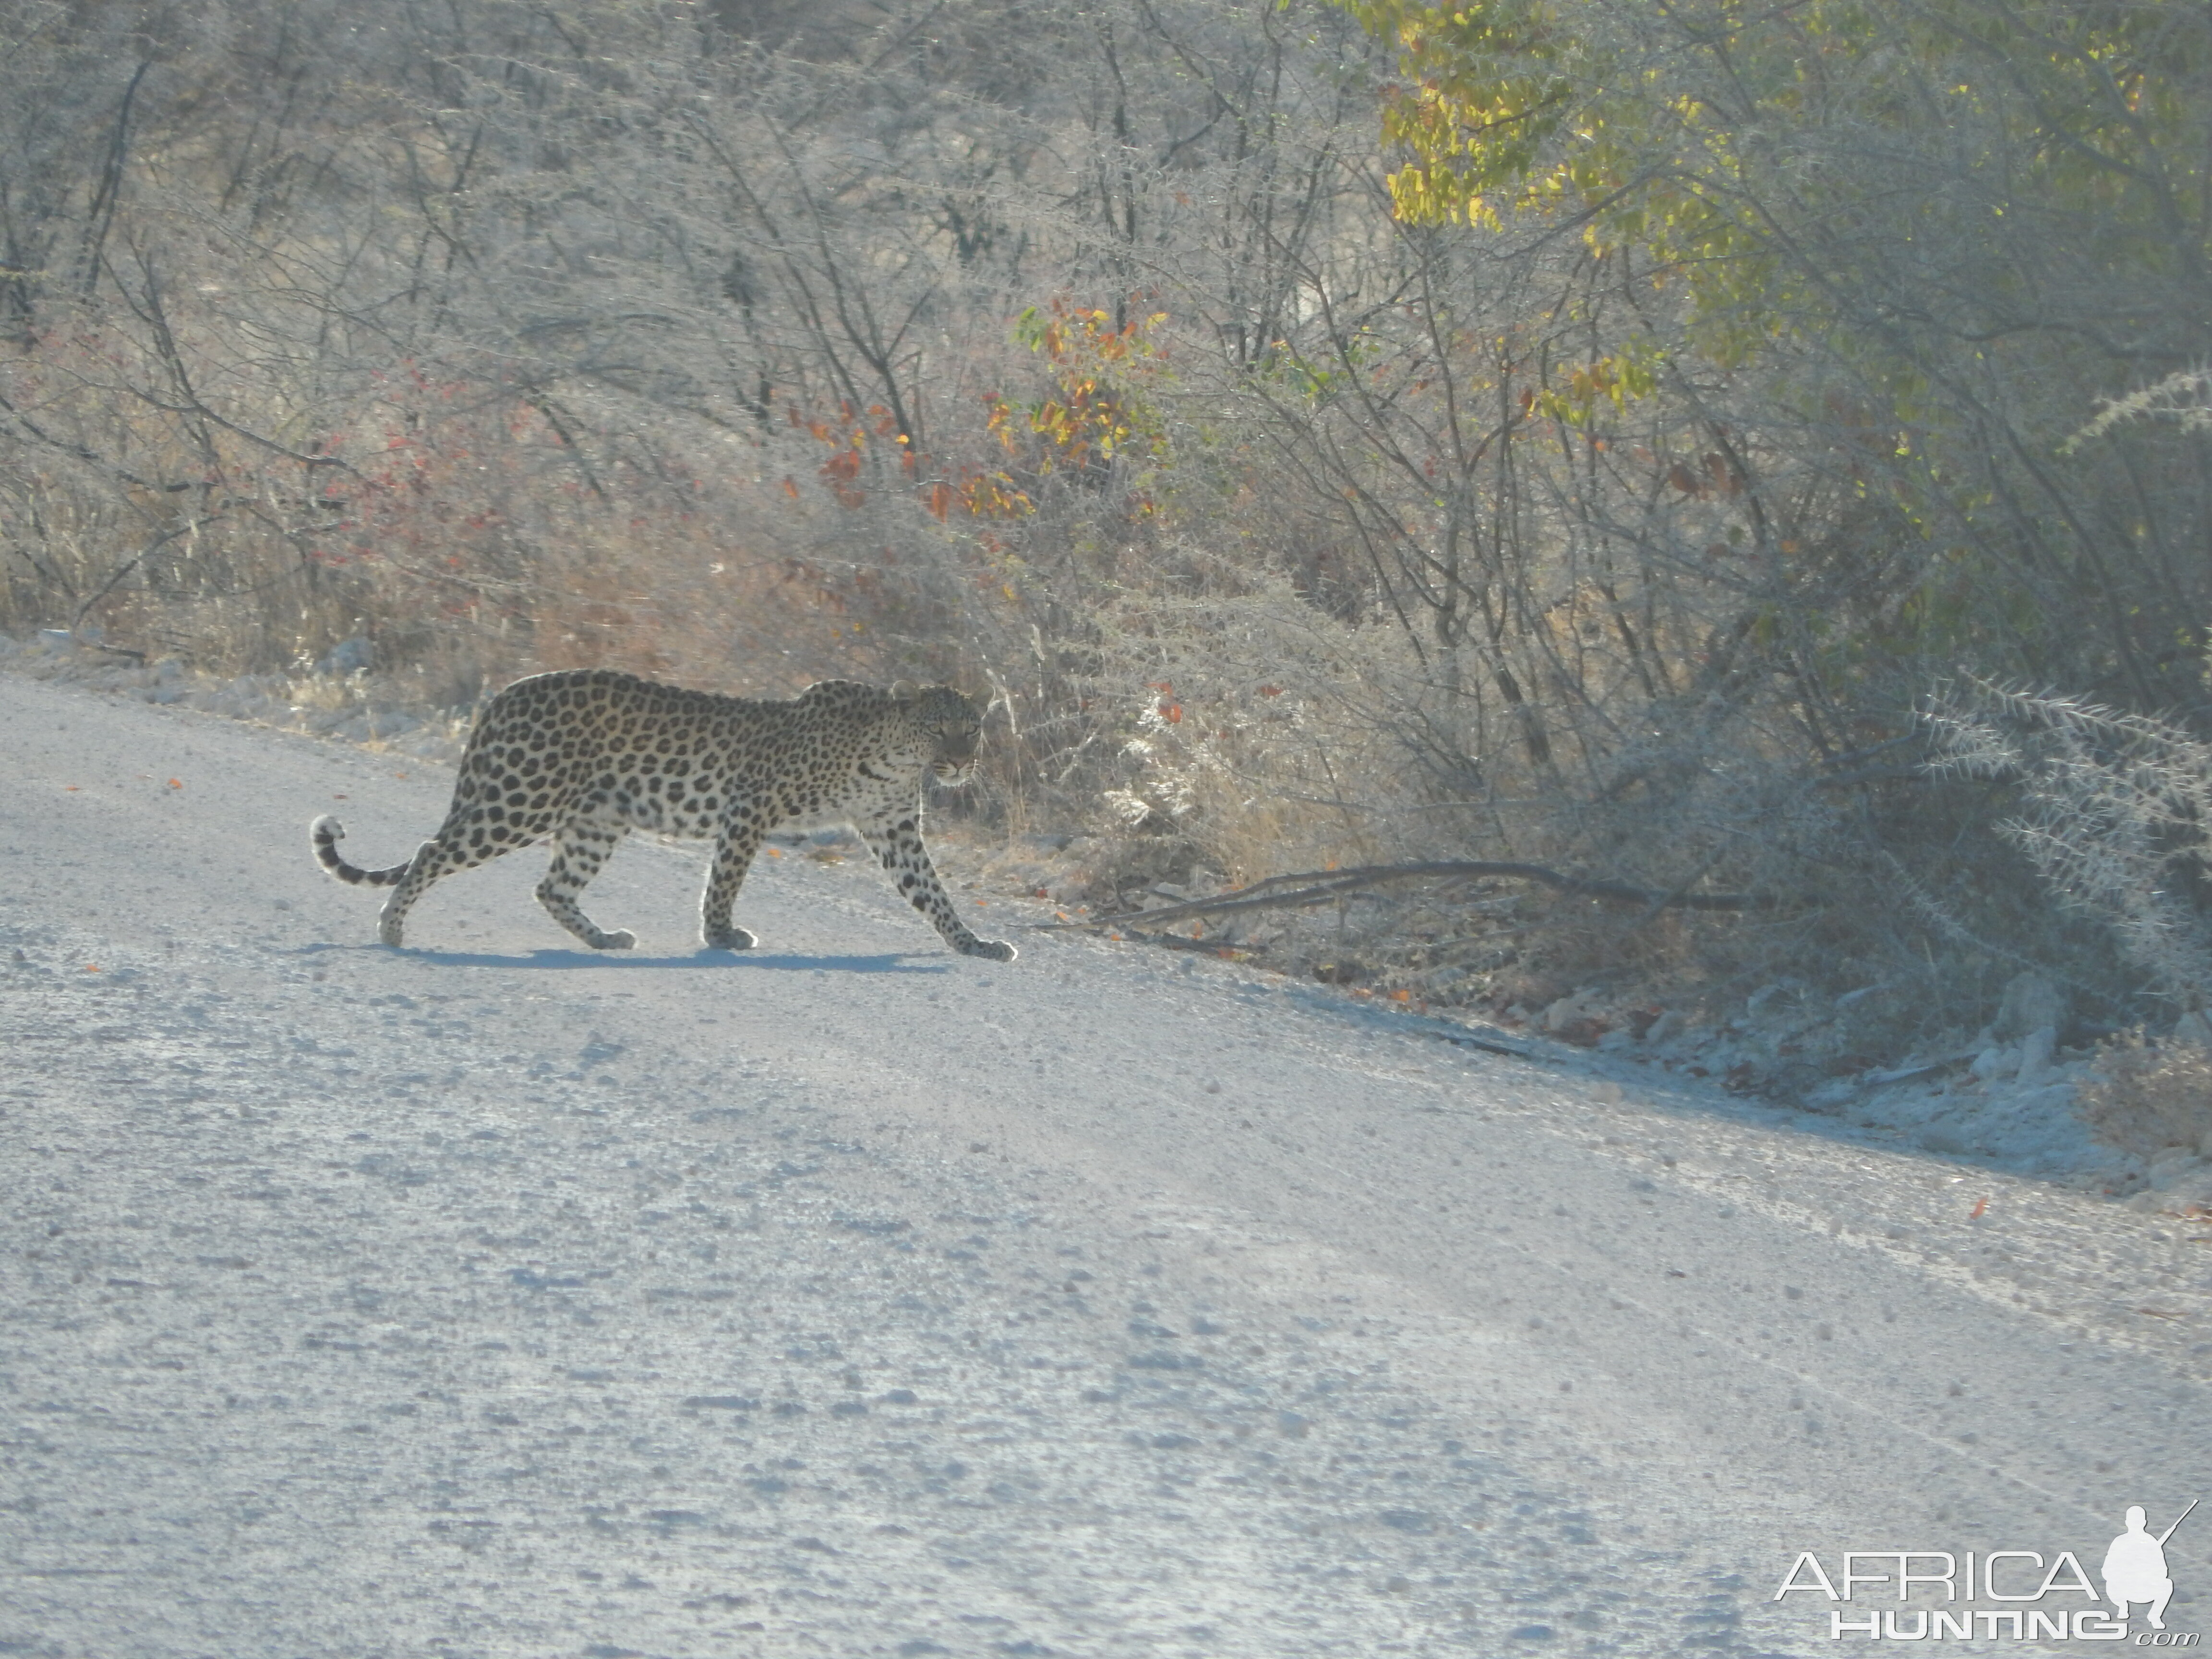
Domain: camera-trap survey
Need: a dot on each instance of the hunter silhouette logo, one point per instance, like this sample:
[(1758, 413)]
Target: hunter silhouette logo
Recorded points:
[(2135, 1566), (2033, 1592)]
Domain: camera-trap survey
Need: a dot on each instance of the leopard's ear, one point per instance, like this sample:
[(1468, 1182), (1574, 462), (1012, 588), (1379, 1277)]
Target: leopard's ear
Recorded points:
[(904, 693)]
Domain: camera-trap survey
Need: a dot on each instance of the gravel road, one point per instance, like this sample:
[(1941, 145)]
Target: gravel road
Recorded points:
[(852, 1297)]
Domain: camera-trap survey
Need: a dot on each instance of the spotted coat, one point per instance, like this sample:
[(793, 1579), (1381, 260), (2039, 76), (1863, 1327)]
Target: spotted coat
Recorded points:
[(584, 758)]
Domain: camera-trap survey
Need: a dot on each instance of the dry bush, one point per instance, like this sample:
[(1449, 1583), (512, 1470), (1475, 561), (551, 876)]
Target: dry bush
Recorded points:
[(1235, 730), (1258, 727), (2144, 1096), (459, 525), (2113, 814)]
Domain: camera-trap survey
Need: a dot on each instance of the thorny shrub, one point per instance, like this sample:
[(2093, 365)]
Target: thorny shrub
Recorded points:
[(2112, 809), (2144, 1095)]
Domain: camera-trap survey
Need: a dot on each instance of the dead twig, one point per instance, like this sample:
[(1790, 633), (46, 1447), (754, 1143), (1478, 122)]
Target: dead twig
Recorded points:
[(1314, 887)]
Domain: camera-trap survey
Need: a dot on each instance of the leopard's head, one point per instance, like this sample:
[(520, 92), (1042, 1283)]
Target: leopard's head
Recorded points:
[(947, 725)]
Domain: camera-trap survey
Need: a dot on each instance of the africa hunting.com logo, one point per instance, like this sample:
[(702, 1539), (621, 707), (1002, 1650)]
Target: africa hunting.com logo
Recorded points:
[(2133, 1572)]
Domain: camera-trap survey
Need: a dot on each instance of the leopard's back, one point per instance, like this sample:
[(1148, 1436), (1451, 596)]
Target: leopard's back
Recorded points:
[(675, 758)]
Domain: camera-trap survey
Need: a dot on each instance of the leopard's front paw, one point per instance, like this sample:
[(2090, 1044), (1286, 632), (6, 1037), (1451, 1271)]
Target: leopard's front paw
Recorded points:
[(621, 939), (730, 939), (992, 950)]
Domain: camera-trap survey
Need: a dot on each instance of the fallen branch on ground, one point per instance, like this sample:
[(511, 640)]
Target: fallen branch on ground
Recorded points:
[(1325, 886)]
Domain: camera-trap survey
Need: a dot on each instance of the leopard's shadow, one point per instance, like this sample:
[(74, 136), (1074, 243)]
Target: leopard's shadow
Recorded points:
[(715, 961)]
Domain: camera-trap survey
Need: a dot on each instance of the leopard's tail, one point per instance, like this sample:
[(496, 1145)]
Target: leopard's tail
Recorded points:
[(327, 832)]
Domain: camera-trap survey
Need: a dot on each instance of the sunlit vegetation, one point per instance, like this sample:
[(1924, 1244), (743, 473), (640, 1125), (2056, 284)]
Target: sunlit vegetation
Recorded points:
[(1577, 432)]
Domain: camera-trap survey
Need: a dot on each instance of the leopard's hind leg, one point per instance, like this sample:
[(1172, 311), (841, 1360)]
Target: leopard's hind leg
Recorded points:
[(581, 846), (441, 856), (466, 839)]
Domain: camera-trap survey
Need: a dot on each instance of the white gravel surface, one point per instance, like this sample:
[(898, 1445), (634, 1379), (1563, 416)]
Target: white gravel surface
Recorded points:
[(850, 1298)]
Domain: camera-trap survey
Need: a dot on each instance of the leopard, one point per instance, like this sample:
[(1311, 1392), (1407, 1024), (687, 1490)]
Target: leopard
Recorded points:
[(583, 756)]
